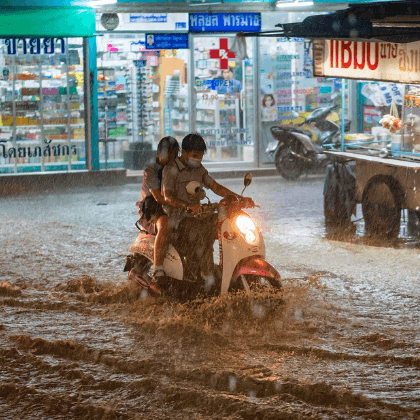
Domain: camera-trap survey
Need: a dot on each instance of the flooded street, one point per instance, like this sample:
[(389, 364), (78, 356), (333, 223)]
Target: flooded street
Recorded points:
[(79, 341)]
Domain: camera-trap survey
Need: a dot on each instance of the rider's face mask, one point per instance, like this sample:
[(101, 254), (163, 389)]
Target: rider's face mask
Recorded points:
[(194, 163)]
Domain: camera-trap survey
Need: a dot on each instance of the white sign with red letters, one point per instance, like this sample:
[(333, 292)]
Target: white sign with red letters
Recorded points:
[(367, 60)]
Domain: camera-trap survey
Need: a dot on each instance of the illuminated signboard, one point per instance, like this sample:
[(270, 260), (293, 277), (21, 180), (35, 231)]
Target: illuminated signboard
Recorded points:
[(367, 60)]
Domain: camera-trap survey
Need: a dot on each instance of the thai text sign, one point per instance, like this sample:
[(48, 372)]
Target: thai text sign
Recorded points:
[(367, 60), (34, 45), (148, 22), (225, 22), (166, 41)]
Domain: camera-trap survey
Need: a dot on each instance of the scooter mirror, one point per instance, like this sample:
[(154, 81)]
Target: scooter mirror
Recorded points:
[(247, 179)]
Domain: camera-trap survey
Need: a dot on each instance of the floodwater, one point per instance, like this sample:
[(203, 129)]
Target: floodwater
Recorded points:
[(79, 341)]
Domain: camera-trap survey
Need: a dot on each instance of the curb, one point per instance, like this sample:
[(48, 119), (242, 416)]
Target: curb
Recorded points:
[(15, 184), (219, 173), (53, 181)]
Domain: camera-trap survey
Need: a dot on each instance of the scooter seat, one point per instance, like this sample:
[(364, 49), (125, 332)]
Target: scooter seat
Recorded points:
[(277, 132)]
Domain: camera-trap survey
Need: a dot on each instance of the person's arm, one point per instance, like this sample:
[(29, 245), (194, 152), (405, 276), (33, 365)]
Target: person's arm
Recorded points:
[(224, 192), (221, 190), (218, 189), (168, 200), (168, 189), (237, 85), (158, 196)]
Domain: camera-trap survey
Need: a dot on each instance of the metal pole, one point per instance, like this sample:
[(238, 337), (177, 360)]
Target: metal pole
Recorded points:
[(256, 108), (14, 67), (87, 105), (192, 94), (343, 98), (41, 108), (68, 104)]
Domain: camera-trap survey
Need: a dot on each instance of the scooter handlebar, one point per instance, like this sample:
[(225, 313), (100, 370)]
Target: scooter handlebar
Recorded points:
[(231, 201), (206, 209), (238, 202)]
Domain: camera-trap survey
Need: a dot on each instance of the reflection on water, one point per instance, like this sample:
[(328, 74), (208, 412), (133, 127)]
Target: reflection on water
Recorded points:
[(408, 238), (78, 341)]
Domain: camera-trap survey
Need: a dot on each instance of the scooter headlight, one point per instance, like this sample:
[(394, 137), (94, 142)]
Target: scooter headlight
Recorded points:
[(247, 229)]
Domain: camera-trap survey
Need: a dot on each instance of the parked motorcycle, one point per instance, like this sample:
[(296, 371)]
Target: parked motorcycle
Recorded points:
[(295, 152), (242, 256)]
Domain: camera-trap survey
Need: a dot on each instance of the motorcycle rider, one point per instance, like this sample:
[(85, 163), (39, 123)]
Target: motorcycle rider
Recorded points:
[(195, 234), (152, 217)]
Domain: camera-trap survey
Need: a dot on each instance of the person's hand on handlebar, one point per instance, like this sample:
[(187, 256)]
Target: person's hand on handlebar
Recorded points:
[(195, 210)]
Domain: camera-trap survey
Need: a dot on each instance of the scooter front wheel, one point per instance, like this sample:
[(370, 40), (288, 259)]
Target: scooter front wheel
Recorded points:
[(250, 283), (264, 292)]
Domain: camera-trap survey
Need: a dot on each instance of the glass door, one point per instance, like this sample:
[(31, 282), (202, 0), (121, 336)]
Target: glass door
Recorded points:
[(224, 91), (143, 96)]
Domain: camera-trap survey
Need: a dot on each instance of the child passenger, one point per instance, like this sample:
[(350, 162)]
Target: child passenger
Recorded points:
[(152, 217)]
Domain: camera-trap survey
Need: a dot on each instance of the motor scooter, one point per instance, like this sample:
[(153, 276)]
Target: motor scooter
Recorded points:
[(294, 150), (242, 263)]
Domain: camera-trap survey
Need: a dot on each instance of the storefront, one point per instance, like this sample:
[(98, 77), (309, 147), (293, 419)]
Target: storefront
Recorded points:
[(173, 73), (151, 75), (42, 110), (170, 82)]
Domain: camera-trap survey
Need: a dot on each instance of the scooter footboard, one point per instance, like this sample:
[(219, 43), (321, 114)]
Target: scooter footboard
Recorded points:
[(256, 266)]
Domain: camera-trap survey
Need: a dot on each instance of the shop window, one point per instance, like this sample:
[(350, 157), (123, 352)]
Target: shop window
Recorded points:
[(143, 96), (289, 92), (42, 126), (224, 105)]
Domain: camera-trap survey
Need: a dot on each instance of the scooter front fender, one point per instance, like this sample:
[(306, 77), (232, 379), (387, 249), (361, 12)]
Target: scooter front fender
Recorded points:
[(255, 266)]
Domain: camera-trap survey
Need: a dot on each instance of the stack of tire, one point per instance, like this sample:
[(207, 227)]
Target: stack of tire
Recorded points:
[(139, 155)]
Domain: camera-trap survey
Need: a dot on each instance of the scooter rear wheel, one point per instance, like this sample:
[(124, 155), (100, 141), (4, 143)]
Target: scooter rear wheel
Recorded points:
[(288, 165)]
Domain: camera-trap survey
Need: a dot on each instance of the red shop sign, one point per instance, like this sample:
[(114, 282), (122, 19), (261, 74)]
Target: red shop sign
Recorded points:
[(367, 60), (223, 54)]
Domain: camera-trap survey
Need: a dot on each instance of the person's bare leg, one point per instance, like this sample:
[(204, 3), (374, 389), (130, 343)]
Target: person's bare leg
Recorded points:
[(161, 241)]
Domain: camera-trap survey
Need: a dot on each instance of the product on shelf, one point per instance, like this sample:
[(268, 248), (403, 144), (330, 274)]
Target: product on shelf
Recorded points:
[(42, 114)]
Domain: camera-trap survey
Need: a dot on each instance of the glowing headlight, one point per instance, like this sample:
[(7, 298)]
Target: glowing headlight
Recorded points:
[(247, 228)]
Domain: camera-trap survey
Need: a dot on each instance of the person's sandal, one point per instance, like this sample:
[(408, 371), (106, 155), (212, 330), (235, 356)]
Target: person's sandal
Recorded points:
[(158, 279), (133, 276)]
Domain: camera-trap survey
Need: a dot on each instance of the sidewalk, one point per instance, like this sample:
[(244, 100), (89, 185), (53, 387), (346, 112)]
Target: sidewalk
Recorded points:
[(217, 173), (49, 181)]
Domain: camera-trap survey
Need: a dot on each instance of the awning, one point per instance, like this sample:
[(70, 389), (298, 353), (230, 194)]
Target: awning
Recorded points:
[(397, 21), (39, 22)]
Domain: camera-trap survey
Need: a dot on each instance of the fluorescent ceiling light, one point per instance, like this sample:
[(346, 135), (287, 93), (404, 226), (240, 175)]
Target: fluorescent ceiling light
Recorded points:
[(94, 3), (293, 4), (203, 3)]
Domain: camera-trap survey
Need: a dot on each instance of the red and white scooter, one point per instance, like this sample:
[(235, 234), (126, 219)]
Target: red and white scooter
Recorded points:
[(242, 263)]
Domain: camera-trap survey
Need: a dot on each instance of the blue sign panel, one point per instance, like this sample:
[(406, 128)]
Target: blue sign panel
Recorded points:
[(166, 41), (148, 17), (215, 84), (225, 22)]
